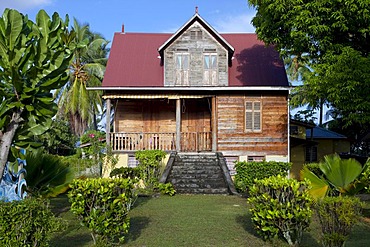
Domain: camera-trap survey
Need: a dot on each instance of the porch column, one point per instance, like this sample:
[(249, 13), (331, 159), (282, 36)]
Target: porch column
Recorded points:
[(178, 124), (107, 126), (214, 125)]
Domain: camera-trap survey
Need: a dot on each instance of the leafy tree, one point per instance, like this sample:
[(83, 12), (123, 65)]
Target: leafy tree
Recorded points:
[(77, 104), (59, 138), (34, 58), (334, 34)]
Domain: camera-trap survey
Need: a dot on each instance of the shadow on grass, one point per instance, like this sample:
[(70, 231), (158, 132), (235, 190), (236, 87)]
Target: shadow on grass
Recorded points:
[(366, 213), (140, 201), (68, 241), (60, 204), (246, 222), (137, 224)]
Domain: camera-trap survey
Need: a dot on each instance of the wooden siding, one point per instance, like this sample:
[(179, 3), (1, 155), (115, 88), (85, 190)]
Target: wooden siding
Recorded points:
[(196, 48), (232, 136), (145, 116)]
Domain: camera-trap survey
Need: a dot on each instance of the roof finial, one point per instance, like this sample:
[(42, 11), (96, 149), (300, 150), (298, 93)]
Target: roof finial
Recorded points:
[(196, 9)]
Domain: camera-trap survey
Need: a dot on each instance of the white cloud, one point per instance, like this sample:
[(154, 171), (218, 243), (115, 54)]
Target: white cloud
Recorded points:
[(235, 24), (22, 5)]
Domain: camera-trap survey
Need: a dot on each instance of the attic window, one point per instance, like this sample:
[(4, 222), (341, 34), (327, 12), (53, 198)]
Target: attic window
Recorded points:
[(196, 35)]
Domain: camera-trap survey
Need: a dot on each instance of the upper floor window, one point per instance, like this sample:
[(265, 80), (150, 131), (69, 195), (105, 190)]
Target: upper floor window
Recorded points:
[(210, 68), (253, 116), (196, 34), (182, 68)]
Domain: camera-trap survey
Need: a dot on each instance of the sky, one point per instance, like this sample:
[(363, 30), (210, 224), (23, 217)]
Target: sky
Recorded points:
[(161, 16)]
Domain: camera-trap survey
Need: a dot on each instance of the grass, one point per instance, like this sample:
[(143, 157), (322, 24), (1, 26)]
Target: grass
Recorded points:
[(193, 220)]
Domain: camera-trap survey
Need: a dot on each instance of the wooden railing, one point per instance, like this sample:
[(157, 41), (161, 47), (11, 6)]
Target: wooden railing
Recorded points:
[(196, 141), (190, 141), (142, 141)]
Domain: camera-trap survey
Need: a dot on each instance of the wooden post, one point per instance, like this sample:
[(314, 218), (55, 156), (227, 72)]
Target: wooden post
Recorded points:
[(107, 127), (214, 124), (178, 124)]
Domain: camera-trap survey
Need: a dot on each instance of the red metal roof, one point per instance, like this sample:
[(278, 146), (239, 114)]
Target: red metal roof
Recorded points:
[(134, 61)]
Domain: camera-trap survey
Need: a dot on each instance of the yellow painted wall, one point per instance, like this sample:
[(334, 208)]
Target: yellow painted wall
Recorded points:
[(326, 147), (122, 162), (297, 157)]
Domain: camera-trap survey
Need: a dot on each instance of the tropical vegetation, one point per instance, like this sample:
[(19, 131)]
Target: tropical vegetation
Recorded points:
[(326, 44), (28, 74), (281, 207), (47, 175), (248, 172), (335, 176), (337, 215), (77, 105), (29, 222), (102, 205)]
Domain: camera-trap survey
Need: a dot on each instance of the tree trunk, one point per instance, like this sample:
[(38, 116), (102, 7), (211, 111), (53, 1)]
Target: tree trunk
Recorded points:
[(321, 110), (7, 139)]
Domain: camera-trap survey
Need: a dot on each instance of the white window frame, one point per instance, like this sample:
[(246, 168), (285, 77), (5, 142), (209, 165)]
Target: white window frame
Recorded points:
[(181, 74), (210, 74)]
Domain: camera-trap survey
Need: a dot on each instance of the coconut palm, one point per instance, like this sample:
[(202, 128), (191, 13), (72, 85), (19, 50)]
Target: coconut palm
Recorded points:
[(299, 70), (79, 106)]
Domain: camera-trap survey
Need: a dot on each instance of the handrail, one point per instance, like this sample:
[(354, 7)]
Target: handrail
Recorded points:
[(133, 141)]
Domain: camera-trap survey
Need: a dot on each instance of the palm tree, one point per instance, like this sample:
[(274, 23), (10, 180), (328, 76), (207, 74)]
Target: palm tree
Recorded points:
[(298, 69), (79, 106)]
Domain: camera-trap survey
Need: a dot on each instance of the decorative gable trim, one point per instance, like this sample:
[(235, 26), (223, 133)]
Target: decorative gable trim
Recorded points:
[(205, 25)]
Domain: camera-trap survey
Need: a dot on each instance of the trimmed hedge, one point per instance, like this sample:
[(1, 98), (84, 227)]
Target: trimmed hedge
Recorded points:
[(247, 172), (27, 223)]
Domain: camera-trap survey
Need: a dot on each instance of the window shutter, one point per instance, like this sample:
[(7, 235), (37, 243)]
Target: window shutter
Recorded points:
[(249, 105), (257, 116), (249, 120), (253, 115)]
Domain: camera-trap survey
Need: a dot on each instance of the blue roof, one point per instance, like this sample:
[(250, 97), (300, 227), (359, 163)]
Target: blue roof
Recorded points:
[(322, 133)]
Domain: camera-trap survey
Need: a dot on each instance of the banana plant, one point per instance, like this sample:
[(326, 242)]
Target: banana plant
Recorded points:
[(340, 177), (34, 58)]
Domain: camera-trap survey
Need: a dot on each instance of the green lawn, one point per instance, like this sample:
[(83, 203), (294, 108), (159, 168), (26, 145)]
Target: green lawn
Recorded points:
[(192, 220)]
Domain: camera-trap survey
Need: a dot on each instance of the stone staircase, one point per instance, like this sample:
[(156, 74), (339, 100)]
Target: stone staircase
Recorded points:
[(197, 173)]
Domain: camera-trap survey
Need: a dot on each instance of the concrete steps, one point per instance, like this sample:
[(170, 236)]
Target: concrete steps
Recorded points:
[(197, 173)]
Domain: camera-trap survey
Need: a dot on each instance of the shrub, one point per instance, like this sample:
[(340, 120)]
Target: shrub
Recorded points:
[(102, 205), (125, 172), (149, 166), (27, 223), (337, 217), (280, 208), (166, 189), (247, 172)]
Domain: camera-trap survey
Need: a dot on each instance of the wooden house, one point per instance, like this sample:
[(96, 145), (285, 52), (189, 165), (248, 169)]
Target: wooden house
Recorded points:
[(197, 90)]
